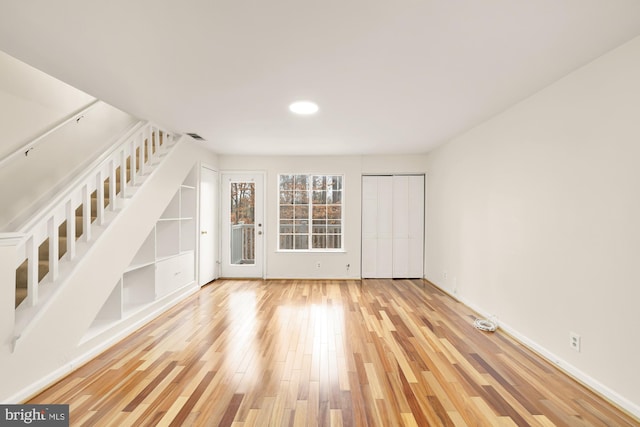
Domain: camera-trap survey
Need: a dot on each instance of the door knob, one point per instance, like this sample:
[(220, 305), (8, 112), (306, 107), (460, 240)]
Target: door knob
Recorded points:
[(259, 232), (203, 232)]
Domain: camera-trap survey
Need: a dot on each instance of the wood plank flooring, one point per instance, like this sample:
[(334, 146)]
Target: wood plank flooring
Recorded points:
[(328, 353)]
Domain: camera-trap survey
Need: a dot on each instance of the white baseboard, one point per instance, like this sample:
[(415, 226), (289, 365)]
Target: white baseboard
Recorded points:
[(74, 364), (312, 278), (575, 373)]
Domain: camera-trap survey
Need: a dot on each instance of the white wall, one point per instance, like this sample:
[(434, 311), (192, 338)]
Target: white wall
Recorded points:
[(30, 102), (56, 160), (333, 265), (534, 216)]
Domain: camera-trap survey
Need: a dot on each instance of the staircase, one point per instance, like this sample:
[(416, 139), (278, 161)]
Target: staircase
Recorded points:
[(103, 256), (53, 243), (45, 250)]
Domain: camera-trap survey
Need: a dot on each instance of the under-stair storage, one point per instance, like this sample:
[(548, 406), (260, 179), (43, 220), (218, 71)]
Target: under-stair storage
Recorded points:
[(164, 264)]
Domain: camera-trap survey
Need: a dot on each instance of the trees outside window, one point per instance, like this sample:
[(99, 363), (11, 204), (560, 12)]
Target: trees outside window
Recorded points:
[(310, 212)]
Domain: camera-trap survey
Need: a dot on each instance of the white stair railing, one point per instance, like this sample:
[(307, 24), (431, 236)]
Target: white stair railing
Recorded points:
[(75, 217)]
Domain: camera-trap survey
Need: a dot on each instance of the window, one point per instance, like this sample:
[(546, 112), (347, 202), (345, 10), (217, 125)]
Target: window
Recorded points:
[(310, 212)]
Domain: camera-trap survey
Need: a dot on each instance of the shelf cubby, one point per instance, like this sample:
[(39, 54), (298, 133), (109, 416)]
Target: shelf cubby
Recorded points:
[(187, 235), (167, 238), (146, 254), (138, 288), (172, 211)]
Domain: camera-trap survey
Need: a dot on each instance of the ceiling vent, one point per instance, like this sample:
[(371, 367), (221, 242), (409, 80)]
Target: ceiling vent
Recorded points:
[(196, 136)]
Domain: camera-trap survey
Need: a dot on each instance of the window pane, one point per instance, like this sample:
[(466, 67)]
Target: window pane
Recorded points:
[(319, 241), (319, 212), (286, 241), (334, 197), (333, 229), (320, 197), (334, 212), (319, 229), (286, 197), (319, 182), (301, 197), (302, 212), (286, 212), (334, 241), (286, 226), (242, 230), (286, 182), (302, 241), (301, 226), (334, 182), (302, 182)]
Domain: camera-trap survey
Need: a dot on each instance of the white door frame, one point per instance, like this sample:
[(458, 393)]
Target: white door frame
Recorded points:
[(246, 271)]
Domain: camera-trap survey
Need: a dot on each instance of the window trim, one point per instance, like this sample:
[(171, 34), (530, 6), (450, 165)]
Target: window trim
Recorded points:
[(341, 249)]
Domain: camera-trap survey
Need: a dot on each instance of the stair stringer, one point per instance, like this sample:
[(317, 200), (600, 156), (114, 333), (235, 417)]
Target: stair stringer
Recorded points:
[(49, 347)]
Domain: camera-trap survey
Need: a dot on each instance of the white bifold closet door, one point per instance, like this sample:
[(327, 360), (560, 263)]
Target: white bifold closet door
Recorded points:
[(392, 226), (377, 226)]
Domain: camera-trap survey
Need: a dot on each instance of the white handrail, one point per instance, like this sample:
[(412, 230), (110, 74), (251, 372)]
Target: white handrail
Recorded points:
[(81, 178), (24, 150)]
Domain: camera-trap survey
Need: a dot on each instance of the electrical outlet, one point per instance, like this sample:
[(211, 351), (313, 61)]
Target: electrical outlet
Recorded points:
[(318, 264), (574, 341), (444, 275)]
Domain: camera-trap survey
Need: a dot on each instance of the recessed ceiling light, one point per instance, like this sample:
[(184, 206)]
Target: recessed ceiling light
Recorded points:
[(304, 108)]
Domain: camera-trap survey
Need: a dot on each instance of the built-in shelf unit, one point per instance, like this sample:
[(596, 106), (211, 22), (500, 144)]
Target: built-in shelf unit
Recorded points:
[(164, 264)]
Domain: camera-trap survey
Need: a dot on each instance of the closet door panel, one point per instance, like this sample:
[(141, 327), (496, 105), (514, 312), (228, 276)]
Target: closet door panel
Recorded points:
[(369, 258), (384, 258), (385, 227), (400, 204), (376, 226), (416, 227), (400, 259), (400, 226), (385, 207), (369, 225)]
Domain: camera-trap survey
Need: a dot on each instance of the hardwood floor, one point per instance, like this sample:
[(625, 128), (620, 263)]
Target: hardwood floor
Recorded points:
[(331, 353)]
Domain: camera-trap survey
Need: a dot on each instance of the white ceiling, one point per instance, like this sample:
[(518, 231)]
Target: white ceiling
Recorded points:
[(396, 76)]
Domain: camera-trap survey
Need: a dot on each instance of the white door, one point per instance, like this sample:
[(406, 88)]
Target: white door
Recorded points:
[(208, 261), (242, 225)]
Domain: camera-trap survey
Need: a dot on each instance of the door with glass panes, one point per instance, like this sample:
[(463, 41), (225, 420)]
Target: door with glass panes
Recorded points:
[(242, 225)]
